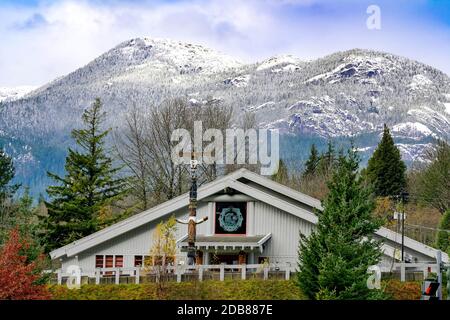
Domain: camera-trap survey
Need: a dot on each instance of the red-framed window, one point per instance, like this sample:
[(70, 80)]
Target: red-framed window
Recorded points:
[(118, 262), (109, 261), (99, 261)]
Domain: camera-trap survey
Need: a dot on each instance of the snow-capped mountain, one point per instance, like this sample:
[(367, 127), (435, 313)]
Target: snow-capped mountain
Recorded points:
[(351, 93), (14, 93)]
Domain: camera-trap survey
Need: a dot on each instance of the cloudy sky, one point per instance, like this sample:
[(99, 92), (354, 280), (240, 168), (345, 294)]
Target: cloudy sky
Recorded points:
[(44, 39)]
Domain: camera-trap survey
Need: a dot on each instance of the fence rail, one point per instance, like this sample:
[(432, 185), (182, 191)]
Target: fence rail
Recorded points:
[(405, 271), (176, 273)]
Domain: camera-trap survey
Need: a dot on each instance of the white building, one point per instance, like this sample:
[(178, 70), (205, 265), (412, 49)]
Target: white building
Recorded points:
[(251, 218)]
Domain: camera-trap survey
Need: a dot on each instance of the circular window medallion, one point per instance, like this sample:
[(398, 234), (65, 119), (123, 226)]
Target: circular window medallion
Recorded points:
[(231, 219)]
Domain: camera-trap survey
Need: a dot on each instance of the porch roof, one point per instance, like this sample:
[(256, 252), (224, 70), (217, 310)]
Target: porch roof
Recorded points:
[(224, 242)]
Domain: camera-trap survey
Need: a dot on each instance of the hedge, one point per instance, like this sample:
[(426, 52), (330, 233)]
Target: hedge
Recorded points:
[(214, 290), (195, 290)]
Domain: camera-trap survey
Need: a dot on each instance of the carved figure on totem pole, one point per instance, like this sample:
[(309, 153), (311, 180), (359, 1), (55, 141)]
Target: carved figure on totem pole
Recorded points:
[(192, 221)]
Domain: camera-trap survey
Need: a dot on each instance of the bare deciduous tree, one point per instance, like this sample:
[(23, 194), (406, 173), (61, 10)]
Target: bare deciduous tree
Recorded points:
[(145, 147), (130, 147)]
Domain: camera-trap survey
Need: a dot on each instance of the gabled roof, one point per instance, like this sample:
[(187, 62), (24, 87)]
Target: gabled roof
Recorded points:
[(410, 243), (234, 181), (230, 181)]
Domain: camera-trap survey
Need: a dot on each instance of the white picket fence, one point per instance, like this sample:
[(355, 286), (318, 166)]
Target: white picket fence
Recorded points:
[(404, 268), (178, 272), (221, 272)]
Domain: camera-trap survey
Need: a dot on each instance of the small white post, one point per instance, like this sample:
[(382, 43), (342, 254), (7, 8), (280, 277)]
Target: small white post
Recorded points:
[(439, 273), (402, 272), (288, 273), (266, 273), (222, 272), (200, 273), (137, 275), (425, 272), (117, 276), (178, 271), (97, 276), (59, 274), (244, 272)]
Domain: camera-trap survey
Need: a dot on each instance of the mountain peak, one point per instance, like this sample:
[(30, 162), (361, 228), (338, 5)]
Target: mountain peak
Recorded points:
[(176, 56)]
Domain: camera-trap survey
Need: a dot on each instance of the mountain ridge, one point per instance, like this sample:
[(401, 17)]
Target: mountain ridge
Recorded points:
[(347, 93)]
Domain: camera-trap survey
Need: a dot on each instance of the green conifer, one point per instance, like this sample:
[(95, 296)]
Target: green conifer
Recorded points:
[(443, 236), (333, 261), (312, 162), (91, 182), (386, 170)]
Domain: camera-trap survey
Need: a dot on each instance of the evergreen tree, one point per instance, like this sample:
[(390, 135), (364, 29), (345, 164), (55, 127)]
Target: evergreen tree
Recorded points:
[(282, 175), (333, 261), (312, 162), (386, 170), (90, 183), (443, 236), (327, 160), (7, 191), (7, 173)]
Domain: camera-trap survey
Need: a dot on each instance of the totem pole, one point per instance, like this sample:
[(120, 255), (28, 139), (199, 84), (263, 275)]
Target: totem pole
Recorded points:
[(192, 221)]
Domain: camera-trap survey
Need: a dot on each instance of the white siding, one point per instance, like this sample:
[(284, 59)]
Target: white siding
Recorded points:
[(135, 242), (263, 219), (285, 229)]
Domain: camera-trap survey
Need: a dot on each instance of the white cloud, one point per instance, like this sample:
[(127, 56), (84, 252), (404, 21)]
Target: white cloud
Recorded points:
[(54, 38)]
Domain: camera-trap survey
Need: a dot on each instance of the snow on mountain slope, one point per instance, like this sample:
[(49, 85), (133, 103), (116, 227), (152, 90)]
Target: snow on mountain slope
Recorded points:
[(414, 130), (321, 116), (420, 81), (414, 152), (280, 63), (346, 93), (357, 66), (447, 107), (14, 93), (175, 56), (440, 122), (239, 81)]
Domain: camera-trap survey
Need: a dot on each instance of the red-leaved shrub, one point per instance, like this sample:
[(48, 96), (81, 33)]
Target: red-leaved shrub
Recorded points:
[(17, 277), (403, 290)]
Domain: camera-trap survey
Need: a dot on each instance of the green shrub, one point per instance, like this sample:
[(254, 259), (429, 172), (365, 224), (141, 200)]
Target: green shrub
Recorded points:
[(254, 289), (210, 290)]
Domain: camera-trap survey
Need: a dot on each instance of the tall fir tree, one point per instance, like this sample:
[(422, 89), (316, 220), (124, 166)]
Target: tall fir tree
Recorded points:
[(312, 162), (327, 160), (7, 191), (91, 183), (443, 236), (7, 172), (386, 170), (334, 259), (282, 174)]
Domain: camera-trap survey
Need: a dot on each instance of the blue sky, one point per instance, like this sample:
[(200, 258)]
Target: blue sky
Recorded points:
[(44, 39)]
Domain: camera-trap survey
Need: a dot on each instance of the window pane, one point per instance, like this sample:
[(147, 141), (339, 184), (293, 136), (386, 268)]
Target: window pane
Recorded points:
[(231, 218), (138, 261), (99, 261), (119, 261), (109, 261)]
